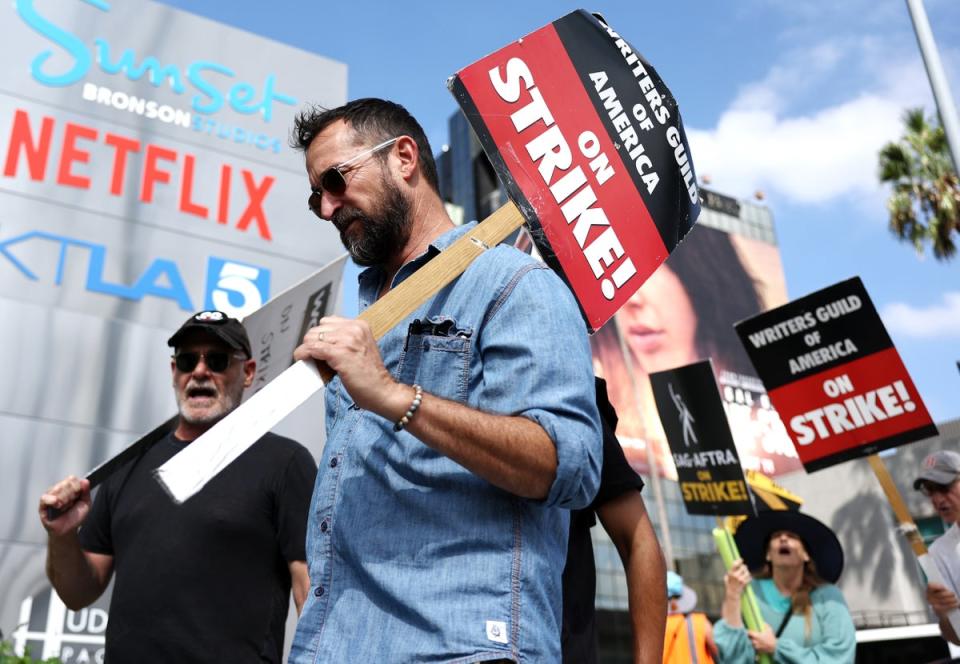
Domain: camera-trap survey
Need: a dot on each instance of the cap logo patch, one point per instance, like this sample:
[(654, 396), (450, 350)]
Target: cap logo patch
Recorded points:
[(210, 316)]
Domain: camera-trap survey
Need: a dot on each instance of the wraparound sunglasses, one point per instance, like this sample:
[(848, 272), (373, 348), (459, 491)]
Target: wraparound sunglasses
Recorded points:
[(217, 361), (333, 181)]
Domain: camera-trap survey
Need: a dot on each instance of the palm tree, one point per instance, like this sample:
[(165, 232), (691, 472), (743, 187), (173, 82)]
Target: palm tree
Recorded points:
[(925, 203)]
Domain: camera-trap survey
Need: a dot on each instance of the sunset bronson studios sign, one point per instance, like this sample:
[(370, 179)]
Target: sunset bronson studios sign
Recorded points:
[(134, 114)]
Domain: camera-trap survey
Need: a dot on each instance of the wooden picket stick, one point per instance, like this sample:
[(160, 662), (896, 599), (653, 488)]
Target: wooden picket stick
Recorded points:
[(904, 518), (909, 529)]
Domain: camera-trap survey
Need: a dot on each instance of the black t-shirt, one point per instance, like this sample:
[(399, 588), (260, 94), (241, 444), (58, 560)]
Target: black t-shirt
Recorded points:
[(579, 633), (208, 580)]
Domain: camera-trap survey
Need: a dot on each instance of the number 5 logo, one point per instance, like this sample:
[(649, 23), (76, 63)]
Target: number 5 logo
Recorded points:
[(237, 289)]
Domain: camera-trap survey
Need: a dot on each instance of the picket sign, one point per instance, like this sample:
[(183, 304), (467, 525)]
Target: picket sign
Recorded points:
[(589, 144), (834, 376), (708, 466), (827, 361), (277, 328)]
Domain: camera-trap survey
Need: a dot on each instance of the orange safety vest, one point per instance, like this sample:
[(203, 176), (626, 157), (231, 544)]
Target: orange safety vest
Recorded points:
[(682, 630)]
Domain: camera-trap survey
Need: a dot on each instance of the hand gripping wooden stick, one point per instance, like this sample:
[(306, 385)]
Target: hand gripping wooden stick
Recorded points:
[(108, 467)]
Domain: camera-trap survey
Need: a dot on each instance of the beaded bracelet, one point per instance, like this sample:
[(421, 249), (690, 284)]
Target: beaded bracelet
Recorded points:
[(417, 398)]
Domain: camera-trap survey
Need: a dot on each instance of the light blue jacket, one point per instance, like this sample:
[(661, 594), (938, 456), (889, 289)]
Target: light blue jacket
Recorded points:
[(412, 557), (833, 638)]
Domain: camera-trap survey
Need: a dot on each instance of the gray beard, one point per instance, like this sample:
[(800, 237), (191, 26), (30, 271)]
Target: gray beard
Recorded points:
[(228, 401)]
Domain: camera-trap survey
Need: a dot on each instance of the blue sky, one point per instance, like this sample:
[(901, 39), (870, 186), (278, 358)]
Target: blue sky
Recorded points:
[(790, 98)]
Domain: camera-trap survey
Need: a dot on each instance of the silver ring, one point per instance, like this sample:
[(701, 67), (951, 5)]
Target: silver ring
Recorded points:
[(319, 335)]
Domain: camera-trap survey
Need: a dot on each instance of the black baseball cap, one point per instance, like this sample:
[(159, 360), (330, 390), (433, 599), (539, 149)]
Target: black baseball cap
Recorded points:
[(215, 323)]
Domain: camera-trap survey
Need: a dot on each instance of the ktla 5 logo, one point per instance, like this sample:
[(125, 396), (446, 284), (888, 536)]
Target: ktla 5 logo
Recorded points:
[(233, 287), (237, 289)]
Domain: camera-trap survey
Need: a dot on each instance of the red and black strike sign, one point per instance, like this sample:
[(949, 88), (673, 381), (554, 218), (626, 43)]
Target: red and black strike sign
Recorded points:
[(708, 467), (834, 376), (589, 144)]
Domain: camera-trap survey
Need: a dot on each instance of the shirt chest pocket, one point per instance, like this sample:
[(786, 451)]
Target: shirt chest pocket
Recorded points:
[(436, 356)]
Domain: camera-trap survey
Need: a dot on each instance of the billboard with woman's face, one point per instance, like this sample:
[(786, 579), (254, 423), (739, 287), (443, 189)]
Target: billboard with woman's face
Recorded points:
[(684, 313)]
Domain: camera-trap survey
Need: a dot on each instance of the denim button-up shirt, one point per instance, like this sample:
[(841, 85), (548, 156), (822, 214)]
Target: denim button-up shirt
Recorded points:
[(412, 557)]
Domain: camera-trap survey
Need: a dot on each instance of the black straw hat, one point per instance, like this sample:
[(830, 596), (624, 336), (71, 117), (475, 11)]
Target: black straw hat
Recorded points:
[(821, 543)]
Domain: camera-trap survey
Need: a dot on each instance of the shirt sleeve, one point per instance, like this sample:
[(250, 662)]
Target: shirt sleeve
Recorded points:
[(95, 534), (293, 491), (616, 475), (940, 551), (839, 640), (537, 364), (733, 644)]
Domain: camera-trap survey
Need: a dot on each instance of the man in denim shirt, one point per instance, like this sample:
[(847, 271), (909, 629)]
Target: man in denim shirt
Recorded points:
[(457, 444)]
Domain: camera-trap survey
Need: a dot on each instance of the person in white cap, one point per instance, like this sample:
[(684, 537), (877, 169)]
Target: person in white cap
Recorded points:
[(940, 481)]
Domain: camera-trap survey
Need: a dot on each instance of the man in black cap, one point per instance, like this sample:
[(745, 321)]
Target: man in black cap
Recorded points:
[(940, 481), (208, 580)]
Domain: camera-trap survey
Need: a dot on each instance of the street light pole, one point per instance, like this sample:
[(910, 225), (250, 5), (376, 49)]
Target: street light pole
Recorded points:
[(938, 80)]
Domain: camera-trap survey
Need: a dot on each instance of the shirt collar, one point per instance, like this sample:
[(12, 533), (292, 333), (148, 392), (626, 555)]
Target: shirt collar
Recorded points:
[(370, 280), (773, 596)]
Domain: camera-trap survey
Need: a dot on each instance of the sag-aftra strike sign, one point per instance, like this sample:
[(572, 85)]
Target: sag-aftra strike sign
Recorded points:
[(834, 376), (708, 467), (589, 144)]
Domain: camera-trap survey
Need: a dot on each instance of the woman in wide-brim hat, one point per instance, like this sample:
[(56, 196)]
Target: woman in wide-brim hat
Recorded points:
[(795, 561)]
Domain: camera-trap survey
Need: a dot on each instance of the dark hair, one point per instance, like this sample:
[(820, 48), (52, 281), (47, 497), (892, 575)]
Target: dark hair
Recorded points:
[(375, 120), (721, 292)]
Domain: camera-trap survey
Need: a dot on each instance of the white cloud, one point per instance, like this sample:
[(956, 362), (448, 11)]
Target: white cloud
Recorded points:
[(796, 75), (774, 136), (808, 159), (938, 320)]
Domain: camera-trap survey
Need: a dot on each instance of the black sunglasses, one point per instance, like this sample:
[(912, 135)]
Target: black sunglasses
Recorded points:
[(217, 361), (929, 488), (333, 181)]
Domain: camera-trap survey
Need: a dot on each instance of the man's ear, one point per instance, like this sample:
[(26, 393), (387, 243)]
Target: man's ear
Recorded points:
[(249, 371), (408, 154)]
